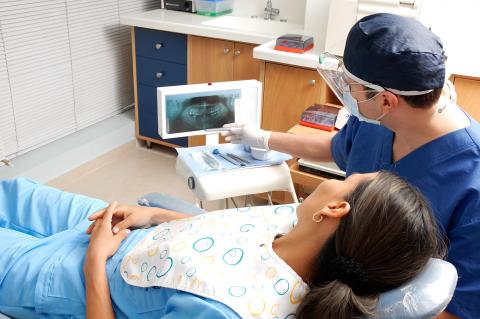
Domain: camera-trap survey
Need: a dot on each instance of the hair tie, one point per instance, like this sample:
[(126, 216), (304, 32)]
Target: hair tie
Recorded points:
[(350, 272)]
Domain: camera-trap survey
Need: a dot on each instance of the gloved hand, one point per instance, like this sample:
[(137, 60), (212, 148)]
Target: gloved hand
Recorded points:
[(246, 134)]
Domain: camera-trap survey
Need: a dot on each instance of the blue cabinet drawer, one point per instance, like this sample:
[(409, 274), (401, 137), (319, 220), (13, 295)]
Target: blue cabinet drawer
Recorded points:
[(161, 45), (160, 73), (148, 116)]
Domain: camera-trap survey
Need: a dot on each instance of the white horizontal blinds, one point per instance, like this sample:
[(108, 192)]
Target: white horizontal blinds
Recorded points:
[(8, 136), (93, 26), (103, 84), (64, 65), (101, 65), (408, 8), (38, 57)]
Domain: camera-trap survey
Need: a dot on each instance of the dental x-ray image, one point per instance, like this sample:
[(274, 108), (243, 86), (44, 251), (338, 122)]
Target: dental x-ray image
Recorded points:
[(200, 111)]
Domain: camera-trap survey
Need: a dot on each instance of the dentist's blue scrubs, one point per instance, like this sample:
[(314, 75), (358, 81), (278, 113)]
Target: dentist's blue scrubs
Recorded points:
[(42, 249), (447, 172)]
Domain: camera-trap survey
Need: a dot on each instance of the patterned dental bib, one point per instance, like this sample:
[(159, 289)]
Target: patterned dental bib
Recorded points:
[(226, 256)]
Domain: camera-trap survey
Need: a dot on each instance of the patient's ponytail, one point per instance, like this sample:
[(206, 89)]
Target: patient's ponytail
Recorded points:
[(385, 241), (335, 300)]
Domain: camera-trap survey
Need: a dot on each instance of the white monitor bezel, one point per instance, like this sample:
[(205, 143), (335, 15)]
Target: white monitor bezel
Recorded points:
[(163, 92)]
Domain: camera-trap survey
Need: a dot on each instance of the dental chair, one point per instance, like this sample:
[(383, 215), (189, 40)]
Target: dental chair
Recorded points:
[(424, 297)]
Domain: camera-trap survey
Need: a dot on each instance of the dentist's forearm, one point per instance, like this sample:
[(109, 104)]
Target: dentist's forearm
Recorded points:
[(99, 304), (314, 147)]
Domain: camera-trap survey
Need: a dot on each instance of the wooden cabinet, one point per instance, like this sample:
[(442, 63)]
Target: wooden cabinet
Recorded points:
[(245, 67), (209, 60), (468, 94), (213, 60), (288, 91)]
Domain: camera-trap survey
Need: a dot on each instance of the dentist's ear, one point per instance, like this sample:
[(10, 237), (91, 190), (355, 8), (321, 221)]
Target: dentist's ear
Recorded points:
[(336, 209), (389, 101)]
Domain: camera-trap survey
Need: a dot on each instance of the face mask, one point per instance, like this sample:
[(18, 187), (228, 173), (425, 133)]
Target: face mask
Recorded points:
[(352, 106)]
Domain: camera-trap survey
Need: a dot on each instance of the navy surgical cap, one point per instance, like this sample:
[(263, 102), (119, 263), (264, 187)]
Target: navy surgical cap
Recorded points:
[(395, 53)]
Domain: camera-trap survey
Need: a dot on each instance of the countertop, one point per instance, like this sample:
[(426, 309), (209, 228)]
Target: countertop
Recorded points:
[(187, 23)]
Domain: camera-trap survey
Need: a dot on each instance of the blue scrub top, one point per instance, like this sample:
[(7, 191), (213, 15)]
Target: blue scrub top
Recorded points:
[(447, 172)]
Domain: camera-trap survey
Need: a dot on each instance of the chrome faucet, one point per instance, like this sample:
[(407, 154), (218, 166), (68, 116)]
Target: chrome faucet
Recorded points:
[(270, 13)]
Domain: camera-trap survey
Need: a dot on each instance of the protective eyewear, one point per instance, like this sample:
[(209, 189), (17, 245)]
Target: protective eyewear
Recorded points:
[(333, 72)]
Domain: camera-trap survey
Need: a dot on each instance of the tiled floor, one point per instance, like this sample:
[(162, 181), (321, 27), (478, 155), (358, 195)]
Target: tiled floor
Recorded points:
[(127, 173)]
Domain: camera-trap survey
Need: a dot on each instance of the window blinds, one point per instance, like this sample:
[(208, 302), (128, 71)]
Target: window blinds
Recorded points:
[(64, 65), (8, 139)]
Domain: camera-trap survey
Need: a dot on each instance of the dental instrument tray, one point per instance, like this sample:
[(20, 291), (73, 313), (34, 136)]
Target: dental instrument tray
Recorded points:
[(228, 156), (320, 116), (295, 43)]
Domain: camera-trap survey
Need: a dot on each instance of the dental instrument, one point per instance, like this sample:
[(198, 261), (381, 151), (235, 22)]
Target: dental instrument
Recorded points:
[(239, 158), (228, 158)]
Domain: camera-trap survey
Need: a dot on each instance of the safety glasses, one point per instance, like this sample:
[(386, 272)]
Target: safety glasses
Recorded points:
[(337, 77)]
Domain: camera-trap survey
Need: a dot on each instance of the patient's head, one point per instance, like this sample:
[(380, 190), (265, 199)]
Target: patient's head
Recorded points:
[(384, 240)]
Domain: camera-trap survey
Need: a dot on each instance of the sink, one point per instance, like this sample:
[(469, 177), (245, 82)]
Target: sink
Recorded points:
[(256, 25)]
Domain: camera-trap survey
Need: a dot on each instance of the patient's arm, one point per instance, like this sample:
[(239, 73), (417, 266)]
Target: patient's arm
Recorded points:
[(103, 244), (125, 217), (99, 304)]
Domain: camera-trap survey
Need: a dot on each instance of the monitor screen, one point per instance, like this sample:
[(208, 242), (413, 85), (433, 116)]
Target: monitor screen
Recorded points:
[(188, 110)]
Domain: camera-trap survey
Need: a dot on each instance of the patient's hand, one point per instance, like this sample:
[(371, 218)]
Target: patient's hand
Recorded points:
[(103, 243), (125, 217)]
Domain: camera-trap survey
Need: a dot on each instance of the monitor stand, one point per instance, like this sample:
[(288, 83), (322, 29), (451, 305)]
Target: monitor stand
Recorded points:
[(212, 139)]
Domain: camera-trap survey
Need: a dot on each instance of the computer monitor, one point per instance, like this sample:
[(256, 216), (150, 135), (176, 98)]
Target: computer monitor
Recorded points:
[(198, 109)]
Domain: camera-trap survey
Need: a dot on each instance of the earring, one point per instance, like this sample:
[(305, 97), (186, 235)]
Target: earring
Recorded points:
[(318, 217)]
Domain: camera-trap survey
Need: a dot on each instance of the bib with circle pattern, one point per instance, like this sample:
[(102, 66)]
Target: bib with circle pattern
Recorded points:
[(226, 256)]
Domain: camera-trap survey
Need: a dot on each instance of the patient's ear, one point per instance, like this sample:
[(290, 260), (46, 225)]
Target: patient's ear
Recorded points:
[(336, 209)]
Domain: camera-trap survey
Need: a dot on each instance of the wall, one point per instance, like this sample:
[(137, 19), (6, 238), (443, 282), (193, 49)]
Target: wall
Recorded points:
[(316, 19), (292, 10), (458, 25)]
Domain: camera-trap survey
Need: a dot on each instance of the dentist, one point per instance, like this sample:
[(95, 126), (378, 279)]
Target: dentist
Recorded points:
[(405, 120)]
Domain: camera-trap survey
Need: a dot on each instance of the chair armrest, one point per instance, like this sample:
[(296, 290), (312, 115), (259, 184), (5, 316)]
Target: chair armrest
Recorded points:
[(169, 202)]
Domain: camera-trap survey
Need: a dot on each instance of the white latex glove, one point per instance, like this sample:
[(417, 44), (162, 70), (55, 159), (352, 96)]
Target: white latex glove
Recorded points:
[(246, 134)]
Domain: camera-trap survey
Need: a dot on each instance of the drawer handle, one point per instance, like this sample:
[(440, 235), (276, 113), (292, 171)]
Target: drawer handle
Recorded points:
[(237, 52), (159, 75), (226, 50), (158, 46), (312, 82)]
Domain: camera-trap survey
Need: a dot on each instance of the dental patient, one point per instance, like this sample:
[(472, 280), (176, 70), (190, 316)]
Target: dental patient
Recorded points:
[(68, 256)]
